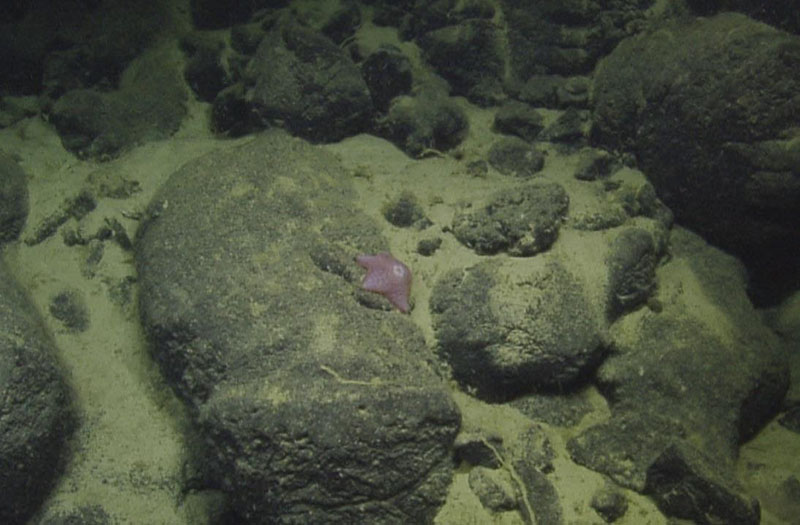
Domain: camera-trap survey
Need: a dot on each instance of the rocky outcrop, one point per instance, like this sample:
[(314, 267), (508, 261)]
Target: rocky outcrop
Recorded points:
[(709, 109), (686, 383), (300, 77), (149, 104), (315, 405), (37, 415)]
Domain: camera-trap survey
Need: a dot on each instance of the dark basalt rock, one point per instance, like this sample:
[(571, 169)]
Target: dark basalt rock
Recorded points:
[(424, 123), (205, 72), (300, 78), (312, 406), (57, 46), (513, 156), (13, 198), (37, 415), (673, 377), (631, 265), (708, 108), (150, 104), (523, 221), (387, 73), (571, 127), (503, 340), (565, 38), (687, 485), (520, 119), (469, 57)]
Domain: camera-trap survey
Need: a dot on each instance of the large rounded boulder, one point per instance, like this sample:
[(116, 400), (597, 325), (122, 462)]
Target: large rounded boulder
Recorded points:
[(709, 107)]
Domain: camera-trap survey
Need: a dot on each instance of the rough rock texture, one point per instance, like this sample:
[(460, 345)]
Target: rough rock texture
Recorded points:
[(566, 38), (387, 73), (414, 19), (593, 164), (149, 105), (83, 515), (699, 370), (687, 485), (36, 416), (709, 107), (506, 332), (315, 407), (72, 207), (537, 321), (523, 221), (485, 57), (520, 119), (513, 156), (13, 198), (428, 121), (300, 77), (631, 263), (206, 70), (674, 345), (571, 127), (470, 57), (512, 473)]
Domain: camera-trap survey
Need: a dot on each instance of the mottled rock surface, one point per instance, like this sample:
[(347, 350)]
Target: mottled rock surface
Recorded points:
[(149, 104), (315, 406), (709, 109), (700, 370), (523, 222), (36, 412), (300, 77), (13, 198)]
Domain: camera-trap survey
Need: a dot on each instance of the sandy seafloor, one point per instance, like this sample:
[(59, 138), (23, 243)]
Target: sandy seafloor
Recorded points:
[(128, 452)]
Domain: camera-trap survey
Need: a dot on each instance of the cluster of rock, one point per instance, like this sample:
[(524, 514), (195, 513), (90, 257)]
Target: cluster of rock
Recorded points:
[(316, 405), (36, 412)]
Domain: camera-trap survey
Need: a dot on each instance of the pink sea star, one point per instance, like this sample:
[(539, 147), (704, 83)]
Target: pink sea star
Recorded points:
[(388, 277)]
